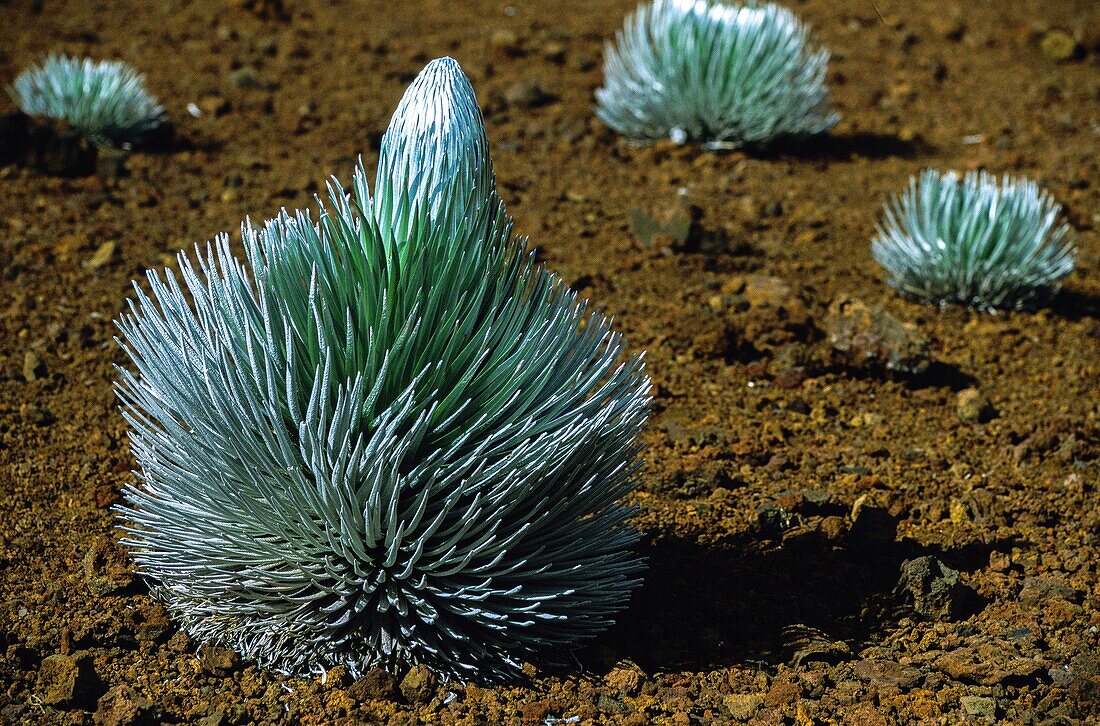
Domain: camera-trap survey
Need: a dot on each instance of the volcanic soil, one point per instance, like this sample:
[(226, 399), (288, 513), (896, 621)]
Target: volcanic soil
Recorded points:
[(828, 540)]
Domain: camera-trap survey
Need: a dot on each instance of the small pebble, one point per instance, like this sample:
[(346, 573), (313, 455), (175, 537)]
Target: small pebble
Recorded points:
[(1059, 46), (526, 94), (972, 407), (33, 368), (244, 78), (103, 255)]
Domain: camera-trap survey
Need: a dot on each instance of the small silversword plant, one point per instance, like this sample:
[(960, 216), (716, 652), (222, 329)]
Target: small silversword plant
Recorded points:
[(974, 241), (721, 74), (105, 101), (387, 436)]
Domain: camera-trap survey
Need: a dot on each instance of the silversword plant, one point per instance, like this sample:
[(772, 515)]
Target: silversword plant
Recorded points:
[(974, 241), (725, 75), (105, 100), (387, 436)]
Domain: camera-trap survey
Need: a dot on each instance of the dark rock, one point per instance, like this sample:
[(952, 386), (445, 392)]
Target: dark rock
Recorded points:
[(105, 495), (674, 226), (264, 9), (217, 660), (122, 706), (869, 338), (771, 521), (1039, 588), (376, 685), (218, 717), (934, 590), (12, 713), (794, 361), (796, 405), (418, 685), (68, 680), (716, 344), (789, 379)]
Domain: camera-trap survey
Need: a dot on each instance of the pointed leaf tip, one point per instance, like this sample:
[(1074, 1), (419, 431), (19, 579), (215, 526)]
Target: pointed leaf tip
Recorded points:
[(435, 150)]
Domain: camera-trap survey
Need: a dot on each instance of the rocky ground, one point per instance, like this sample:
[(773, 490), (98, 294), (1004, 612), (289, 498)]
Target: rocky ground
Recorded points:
[(855, 509)]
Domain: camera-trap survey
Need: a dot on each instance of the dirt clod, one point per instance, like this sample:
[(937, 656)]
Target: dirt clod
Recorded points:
[(418, 685), (122, 706), (217, 660), (742, 706), (376, 685), (68, 680), (626, 679), (887, 673), (982, 708), (107, 569)]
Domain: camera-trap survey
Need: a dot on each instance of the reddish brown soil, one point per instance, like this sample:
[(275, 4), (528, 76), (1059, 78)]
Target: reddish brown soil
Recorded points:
[(740, 438)]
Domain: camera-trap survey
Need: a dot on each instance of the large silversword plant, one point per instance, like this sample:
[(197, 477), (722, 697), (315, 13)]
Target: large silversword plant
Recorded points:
[(104, 100), (976, 241), (726, 75), (388, 436)]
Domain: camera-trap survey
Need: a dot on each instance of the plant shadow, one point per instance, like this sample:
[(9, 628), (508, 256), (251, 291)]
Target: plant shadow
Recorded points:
[(860, 144), (938, 374), (754, 600), (169, 139), (942, 375), (1075, 304)]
